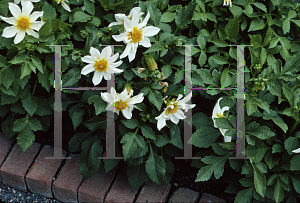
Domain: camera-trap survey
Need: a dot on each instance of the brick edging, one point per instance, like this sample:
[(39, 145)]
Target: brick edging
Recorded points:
[(30, 171)]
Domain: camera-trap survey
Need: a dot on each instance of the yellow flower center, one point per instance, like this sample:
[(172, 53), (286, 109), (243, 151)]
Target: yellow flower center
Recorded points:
[(23, 23), (101, 65), (219, 115), (135, 35), (120, 105), (169, 110)]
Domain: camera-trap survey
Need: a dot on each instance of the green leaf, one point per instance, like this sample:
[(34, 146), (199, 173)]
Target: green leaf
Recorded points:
[(219, 59), (3, 61), (286, 26), (157, 46), (288, 93), (262, 132), (43, 78), (167, 17), (25, 138), (155, 167), (148, 132), (36, 61), (223, 123), (155, 98), (76, 113), (91, 149), (25, 70), (96, 123), (178, 76), (291, 64), (295, 162), (34, 124), (278, 192), (76, 140), (89, 7), (277, 148), (259, 182), (20, 124), (129, 145), (49, 12), (79, 16), (206, 75), (175, 137), (244, 196), (296, 183), (297, 22), (220, 43), (256, 24), (260, 6), (130, 123), (8, 77), (232, 28), (257, 151), (256, 41), (248, 8), (202, 59), (291, 144), (155, 14), (184, 16), (276, 119), (262, 104), (110, 164), (137, 176), (71, 77), (7, 126), (225, 78), (44, 32), (246, 182), (216, 166), (29, 103), (42, 48), (19, 59), (99, 104), (204, 137), (167, 70), (271, 159)]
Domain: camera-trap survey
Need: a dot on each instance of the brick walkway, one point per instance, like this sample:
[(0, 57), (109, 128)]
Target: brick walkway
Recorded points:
[(61, 179)]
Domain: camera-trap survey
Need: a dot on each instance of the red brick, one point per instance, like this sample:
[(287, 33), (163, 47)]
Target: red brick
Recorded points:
[(67, 182), (152, 192), (93, 189), (14, 168), (211, 198), (120, 190), (41, 173), (184, 195), (5, 145)]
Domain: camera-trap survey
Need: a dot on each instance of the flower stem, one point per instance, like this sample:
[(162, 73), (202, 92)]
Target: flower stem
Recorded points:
[(176, 30)]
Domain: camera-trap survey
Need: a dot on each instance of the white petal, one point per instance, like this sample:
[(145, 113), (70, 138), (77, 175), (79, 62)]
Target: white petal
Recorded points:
[(123, 95), (161, 122), (127, 113), (32, 32), (19, 37), (120, 17), (150, 31), (188, 97), (135, 18), (17, 1), (145, 21), (189, 106), (120, 37), (88, 59), (136, 99), (106, 52), (174, 119), (227, 139), (107, 97), (106, 75), (27, 8), (225, 108), (146, 42), (179, 114), (35, 15), (15, 10), (97, 78), (95, 53), (65, 6), (114, 23), (11, 20), (179, 97), (296, 150), (9, 32), (127, 24), (87, 69), (113, 58), (131, 56), (36, 25), (126, 51), (117, 64)]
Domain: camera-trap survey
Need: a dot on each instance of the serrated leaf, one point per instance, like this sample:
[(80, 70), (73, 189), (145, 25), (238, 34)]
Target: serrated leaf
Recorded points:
[(71, 77), (137, 176), (43, 78), (99, 104), (36, 61), (202, 59), (76, 113), (276, 119), (76, 140), (244, 196), (25, 70), (232, 28), (225, 78), (155, 14), (79, 16), (178, 76), (259, 182), (49, 12), (130, 123), (8, 77), (184, 16), (148, 132), (167, 17), (155, 98), (216, 166), (260, 6), (262, 132), (25, 138), (91, 149), (20, 124), (288, 93), (175, 137), (278, 192), (167, 70), (89, 7), (204, 137), (29, 103), (129, 145), (155, 167), (96, 123), (256, 24), (286, 26)]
